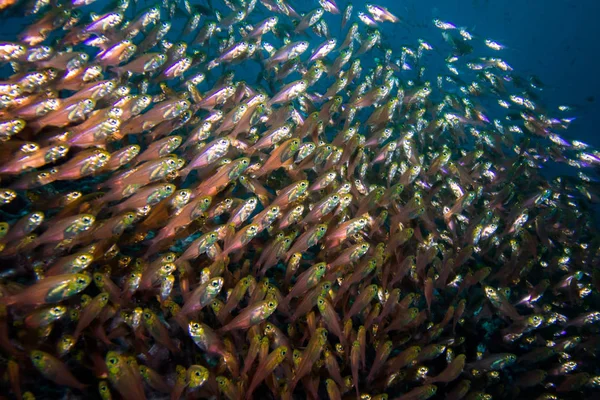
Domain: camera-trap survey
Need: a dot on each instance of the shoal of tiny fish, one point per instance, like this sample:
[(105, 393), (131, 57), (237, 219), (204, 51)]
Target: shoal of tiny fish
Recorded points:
[(353, 223)]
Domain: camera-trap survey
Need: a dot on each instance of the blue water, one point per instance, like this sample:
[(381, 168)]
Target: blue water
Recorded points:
[(554, 40)]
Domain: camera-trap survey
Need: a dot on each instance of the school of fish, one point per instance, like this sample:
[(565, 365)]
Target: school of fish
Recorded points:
[(352, 222)]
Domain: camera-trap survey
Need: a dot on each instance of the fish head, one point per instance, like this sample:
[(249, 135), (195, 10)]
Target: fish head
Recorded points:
[(215, 286), (39, 360)]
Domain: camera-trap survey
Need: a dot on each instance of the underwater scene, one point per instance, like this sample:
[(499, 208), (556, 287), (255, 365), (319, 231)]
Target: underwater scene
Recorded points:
[(299, 199)]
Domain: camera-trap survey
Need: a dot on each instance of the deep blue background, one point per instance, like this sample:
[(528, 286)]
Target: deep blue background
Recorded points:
[(556, 40)]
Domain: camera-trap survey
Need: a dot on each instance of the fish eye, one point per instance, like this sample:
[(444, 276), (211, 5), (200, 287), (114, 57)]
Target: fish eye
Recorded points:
[(215, 284), (271, 304)]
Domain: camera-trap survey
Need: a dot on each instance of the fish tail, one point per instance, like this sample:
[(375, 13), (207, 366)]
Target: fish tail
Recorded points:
[(259, 173), (35, 126), (222, 256), (181, 320), (117, 209), (429, 380), (287, 256), (184, 173), (98, 203), (284, 305), (80, 386)]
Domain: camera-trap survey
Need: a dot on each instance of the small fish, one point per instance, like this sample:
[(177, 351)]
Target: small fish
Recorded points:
[(266, 367), (452, 371), (123, 377), (251, 315), (90, 312), (381, 14), (310, 355), (330, 317), (207, 339), (202, 296), (419, 393), (308, 239), (65, 345), (55, 370), (197, 375), (49, 290), (45, 316), (493, 362)]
